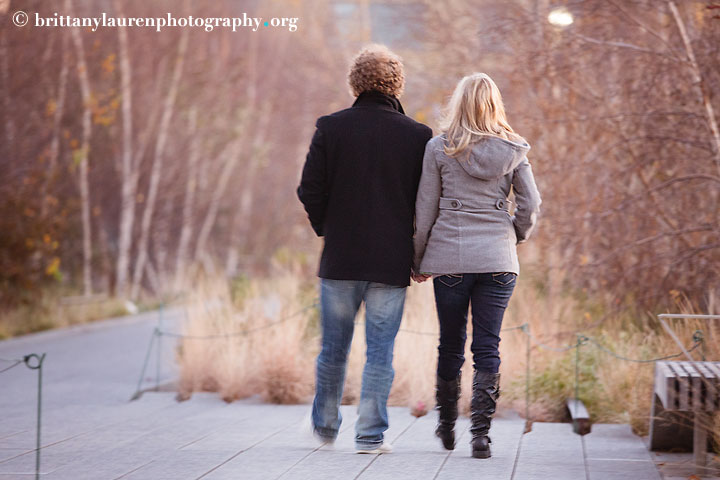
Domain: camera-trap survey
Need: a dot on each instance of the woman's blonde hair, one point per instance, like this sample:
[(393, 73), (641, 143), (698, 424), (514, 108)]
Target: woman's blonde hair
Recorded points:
[(475, 109)]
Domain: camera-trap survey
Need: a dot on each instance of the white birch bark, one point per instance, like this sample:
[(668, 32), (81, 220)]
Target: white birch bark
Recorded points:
[(82, 157), (188, 202), (157, 165), (240, 224), (128, 168)]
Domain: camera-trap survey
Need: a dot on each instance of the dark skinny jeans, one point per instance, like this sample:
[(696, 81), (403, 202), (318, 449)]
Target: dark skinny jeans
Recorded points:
[(488, 295)]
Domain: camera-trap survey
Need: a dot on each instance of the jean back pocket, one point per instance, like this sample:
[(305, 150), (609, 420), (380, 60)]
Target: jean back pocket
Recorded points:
[(504, 278), (451, 279)]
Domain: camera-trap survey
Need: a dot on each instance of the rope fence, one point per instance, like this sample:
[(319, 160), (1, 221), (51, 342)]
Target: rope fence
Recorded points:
[(32, 361), (531, 341), (15, 363)]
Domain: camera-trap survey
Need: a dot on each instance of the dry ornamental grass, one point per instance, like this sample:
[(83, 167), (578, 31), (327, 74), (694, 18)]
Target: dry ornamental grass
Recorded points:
[(275, 359)]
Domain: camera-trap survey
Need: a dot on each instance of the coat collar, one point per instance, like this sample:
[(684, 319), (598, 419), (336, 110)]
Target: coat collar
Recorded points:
[(373, 98)]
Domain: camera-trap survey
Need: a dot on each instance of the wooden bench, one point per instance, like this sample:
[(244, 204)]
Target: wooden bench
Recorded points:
[(684, 397)]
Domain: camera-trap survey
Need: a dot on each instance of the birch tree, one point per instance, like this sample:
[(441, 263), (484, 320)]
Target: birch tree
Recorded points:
[(81, 156), (157, 164), (129, 169)]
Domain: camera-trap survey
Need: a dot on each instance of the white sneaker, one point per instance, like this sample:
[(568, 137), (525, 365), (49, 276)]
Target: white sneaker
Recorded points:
[(308, 430), (384, 448)]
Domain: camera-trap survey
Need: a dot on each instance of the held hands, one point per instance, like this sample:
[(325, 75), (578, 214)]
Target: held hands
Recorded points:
[(419, 277)]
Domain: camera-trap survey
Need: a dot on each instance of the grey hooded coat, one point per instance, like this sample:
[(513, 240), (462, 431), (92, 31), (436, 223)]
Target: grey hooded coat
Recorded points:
[(462, 213)]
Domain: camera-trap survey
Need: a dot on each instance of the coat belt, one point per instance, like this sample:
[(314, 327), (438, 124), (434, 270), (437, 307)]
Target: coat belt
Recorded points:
[(502, 204)]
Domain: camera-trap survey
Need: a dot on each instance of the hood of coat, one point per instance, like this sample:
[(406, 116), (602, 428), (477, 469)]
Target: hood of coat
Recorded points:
[(493, 157)]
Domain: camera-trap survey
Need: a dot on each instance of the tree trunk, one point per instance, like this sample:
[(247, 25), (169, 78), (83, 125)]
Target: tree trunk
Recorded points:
[(699, 81), (129, 173), (57, 117), (81, 156), (230, 153), (239, 227), (157, 165), (188, 202), (7, 92)]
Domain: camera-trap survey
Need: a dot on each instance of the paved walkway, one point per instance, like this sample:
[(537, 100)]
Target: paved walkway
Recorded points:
[(91, 430)]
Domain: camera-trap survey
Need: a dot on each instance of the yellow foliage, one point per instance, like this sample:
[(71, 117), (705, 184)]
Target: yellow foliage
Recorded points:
[(53, 266), (50, 108), (421, 116), (108, 65)]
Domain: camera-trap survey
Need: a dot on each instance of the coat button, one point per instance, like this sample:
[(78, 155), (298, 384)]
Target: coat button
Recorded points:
[(454, 204), (500, 204)]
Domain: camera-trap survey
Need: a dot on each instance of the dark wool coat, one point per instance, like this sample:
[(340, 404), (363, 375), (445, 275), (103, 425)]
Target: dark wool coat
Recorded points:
[(359, 186)]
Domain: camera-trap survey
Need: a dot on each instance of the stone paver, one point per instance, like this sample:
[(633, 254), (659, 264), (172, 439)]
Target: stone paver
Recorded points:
[(91, 431), (614, 453), (550, 450), (505, 435)]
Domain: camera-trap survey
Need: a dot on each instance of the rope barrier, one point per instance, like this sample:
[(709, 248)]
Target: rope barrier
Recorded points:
[(32, 361), (695, 345), (531, 340), (239, 333), (158, 333), (15, 364), (9, 360)]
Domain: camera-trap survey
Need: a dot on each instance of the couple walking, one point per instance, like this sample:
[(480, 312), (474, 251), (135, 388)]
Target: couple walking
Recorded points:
[(393, 202)]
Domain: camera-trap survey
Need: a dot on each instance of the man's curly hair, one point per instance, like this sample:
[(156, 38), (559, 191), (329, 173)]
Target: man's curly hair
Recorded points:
[(375, 67)]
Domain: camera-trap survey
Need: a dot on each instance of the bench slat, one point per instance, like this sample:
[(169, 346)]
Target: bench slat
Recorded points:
[(682, 384), (688, 386), (695, 380), (715, 368), (708, 386)]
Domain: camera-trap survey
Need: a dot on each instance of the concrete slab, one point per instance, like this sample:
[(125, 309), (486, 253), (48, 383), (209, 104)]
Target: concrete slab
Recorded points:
[(612, 451), (551, 450), (91, 431)]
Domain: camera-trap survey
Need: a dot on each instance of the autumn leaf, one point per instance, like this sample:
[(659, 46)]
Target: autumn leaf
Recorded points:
[(50, 108), (53, 266), (108, 65)]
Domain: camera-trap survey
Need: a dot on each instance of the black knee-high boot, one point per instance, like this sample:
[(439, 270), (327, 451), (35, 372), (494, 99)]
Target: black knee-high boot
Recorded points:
[(486, 390), (447, 393)]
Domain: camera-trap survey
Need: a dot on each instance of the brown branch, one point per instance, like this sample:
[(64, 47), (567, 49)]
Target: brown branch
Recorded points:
[(653, 238), (625, 45), (704, 94)]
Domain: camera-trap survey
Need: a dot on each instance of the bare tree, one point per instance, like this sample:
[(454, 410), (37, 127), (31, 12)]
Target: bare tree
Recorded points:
[(157, 165), (129, 169), (186, 228), (81, 156)]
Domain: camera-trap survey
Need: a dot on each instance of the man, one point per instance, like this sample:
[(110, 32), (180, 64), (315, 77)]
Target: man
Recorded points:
[(358, 187)]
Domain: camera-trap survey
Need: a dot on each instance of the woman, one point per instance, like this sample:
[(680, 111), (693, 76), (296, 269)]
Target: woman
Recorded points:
[(465, 238)]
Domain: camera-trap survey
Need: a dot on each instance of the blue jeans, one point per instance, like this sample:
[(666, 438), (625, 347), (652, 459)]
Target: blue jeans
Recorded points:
[(488, 295), (340, 301)]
